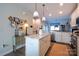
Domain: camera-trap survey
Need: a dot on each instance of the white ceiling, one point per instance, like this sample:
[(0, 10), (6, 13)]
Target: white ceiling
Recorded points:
[(52, 8)]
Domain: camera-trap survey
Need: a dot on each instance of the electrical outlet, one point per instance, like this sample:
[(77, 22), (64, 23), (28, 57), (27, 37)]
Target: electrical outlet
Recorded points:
[(5, 45)]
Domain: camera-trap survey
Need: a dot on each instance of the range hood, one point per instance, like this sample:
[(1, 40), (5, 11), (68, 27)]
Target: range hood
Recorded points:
[(74, 16)]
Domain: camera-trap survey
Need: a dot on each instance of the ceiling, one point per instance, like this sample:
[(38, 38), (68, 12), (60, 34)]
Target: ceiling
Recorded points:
[(50, 8)]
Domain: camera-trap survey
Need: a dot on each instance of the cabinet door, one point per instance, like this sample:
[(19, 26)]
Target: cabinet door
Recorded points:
[(58, 36), (32, 47), (42, 48), (66, 37), (44, 45)]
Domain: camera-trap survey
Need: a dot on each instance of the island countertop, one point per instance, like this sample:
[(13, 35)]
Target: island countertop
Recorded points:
[(37, 36)]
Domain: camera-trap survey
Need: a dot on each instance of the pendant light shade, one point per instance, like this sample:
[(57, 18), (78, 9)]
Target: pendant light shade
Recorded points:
[(35, 14), (43, 18)]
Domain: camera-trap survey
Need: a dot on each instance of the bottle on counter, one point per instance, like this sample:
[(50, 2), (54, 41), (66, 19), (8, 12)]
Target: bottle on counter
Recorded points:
[(40, 31)]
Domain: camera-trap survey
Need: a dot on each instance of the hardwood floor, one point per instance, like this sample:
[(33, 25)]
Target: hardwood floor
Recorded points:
[(19, 52), (56, 49)]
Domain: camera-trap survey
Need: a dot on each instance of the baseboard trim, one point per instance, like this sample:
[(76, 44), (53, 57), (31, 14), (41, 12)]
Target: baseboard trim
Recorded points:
[(62, 43), (11, 50), (7, 52)]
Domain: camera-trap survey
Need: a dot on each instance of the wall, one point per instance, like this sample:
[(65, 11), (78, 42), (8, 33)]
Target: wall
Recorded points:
[(74, 15), (6, 31)]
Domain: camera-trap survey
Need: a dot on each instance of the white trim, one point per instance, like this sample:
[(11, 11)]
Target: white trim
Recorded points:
[(12, 50), (6, 52)]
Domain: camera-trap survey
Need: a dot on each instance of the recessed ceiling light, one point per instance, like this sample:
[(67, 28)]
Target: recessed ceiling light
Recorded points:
[(60, 12), (50, 14), (61, 4)]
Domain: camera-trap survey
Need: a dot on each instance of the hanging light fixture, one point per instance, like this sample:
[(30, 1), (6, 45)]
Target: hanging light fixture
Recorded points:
[(35, 14), (43, 18), (61, 4)]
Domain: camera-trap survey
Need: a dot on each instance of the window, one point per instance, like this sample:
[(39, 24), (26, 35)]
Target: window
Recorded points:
[(54, 28)]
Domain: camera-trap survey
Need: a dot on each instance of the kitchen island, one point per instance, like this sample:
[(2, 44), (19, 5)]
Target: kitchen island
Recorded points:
[(37, 45)]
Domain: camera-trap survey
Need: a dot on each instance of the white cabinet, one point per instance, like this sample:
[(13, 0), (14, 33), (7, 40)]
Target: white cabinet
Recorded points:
[(58, 36), (44, 45), (37, 46), (64, 37)]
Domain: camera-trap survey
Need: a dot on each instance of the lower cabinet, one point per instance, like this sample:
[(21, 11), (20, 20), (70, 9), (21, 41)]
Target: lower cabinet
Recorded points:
[(63, 37), (37, 46), (44, 45), (66, 37), (57, 36)]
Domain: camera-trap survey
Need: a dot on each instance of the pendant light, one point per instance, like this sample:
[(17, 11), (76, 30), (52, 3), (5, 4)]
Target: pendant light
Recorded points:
[(43, 18), (61, 4), (35, 14)]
